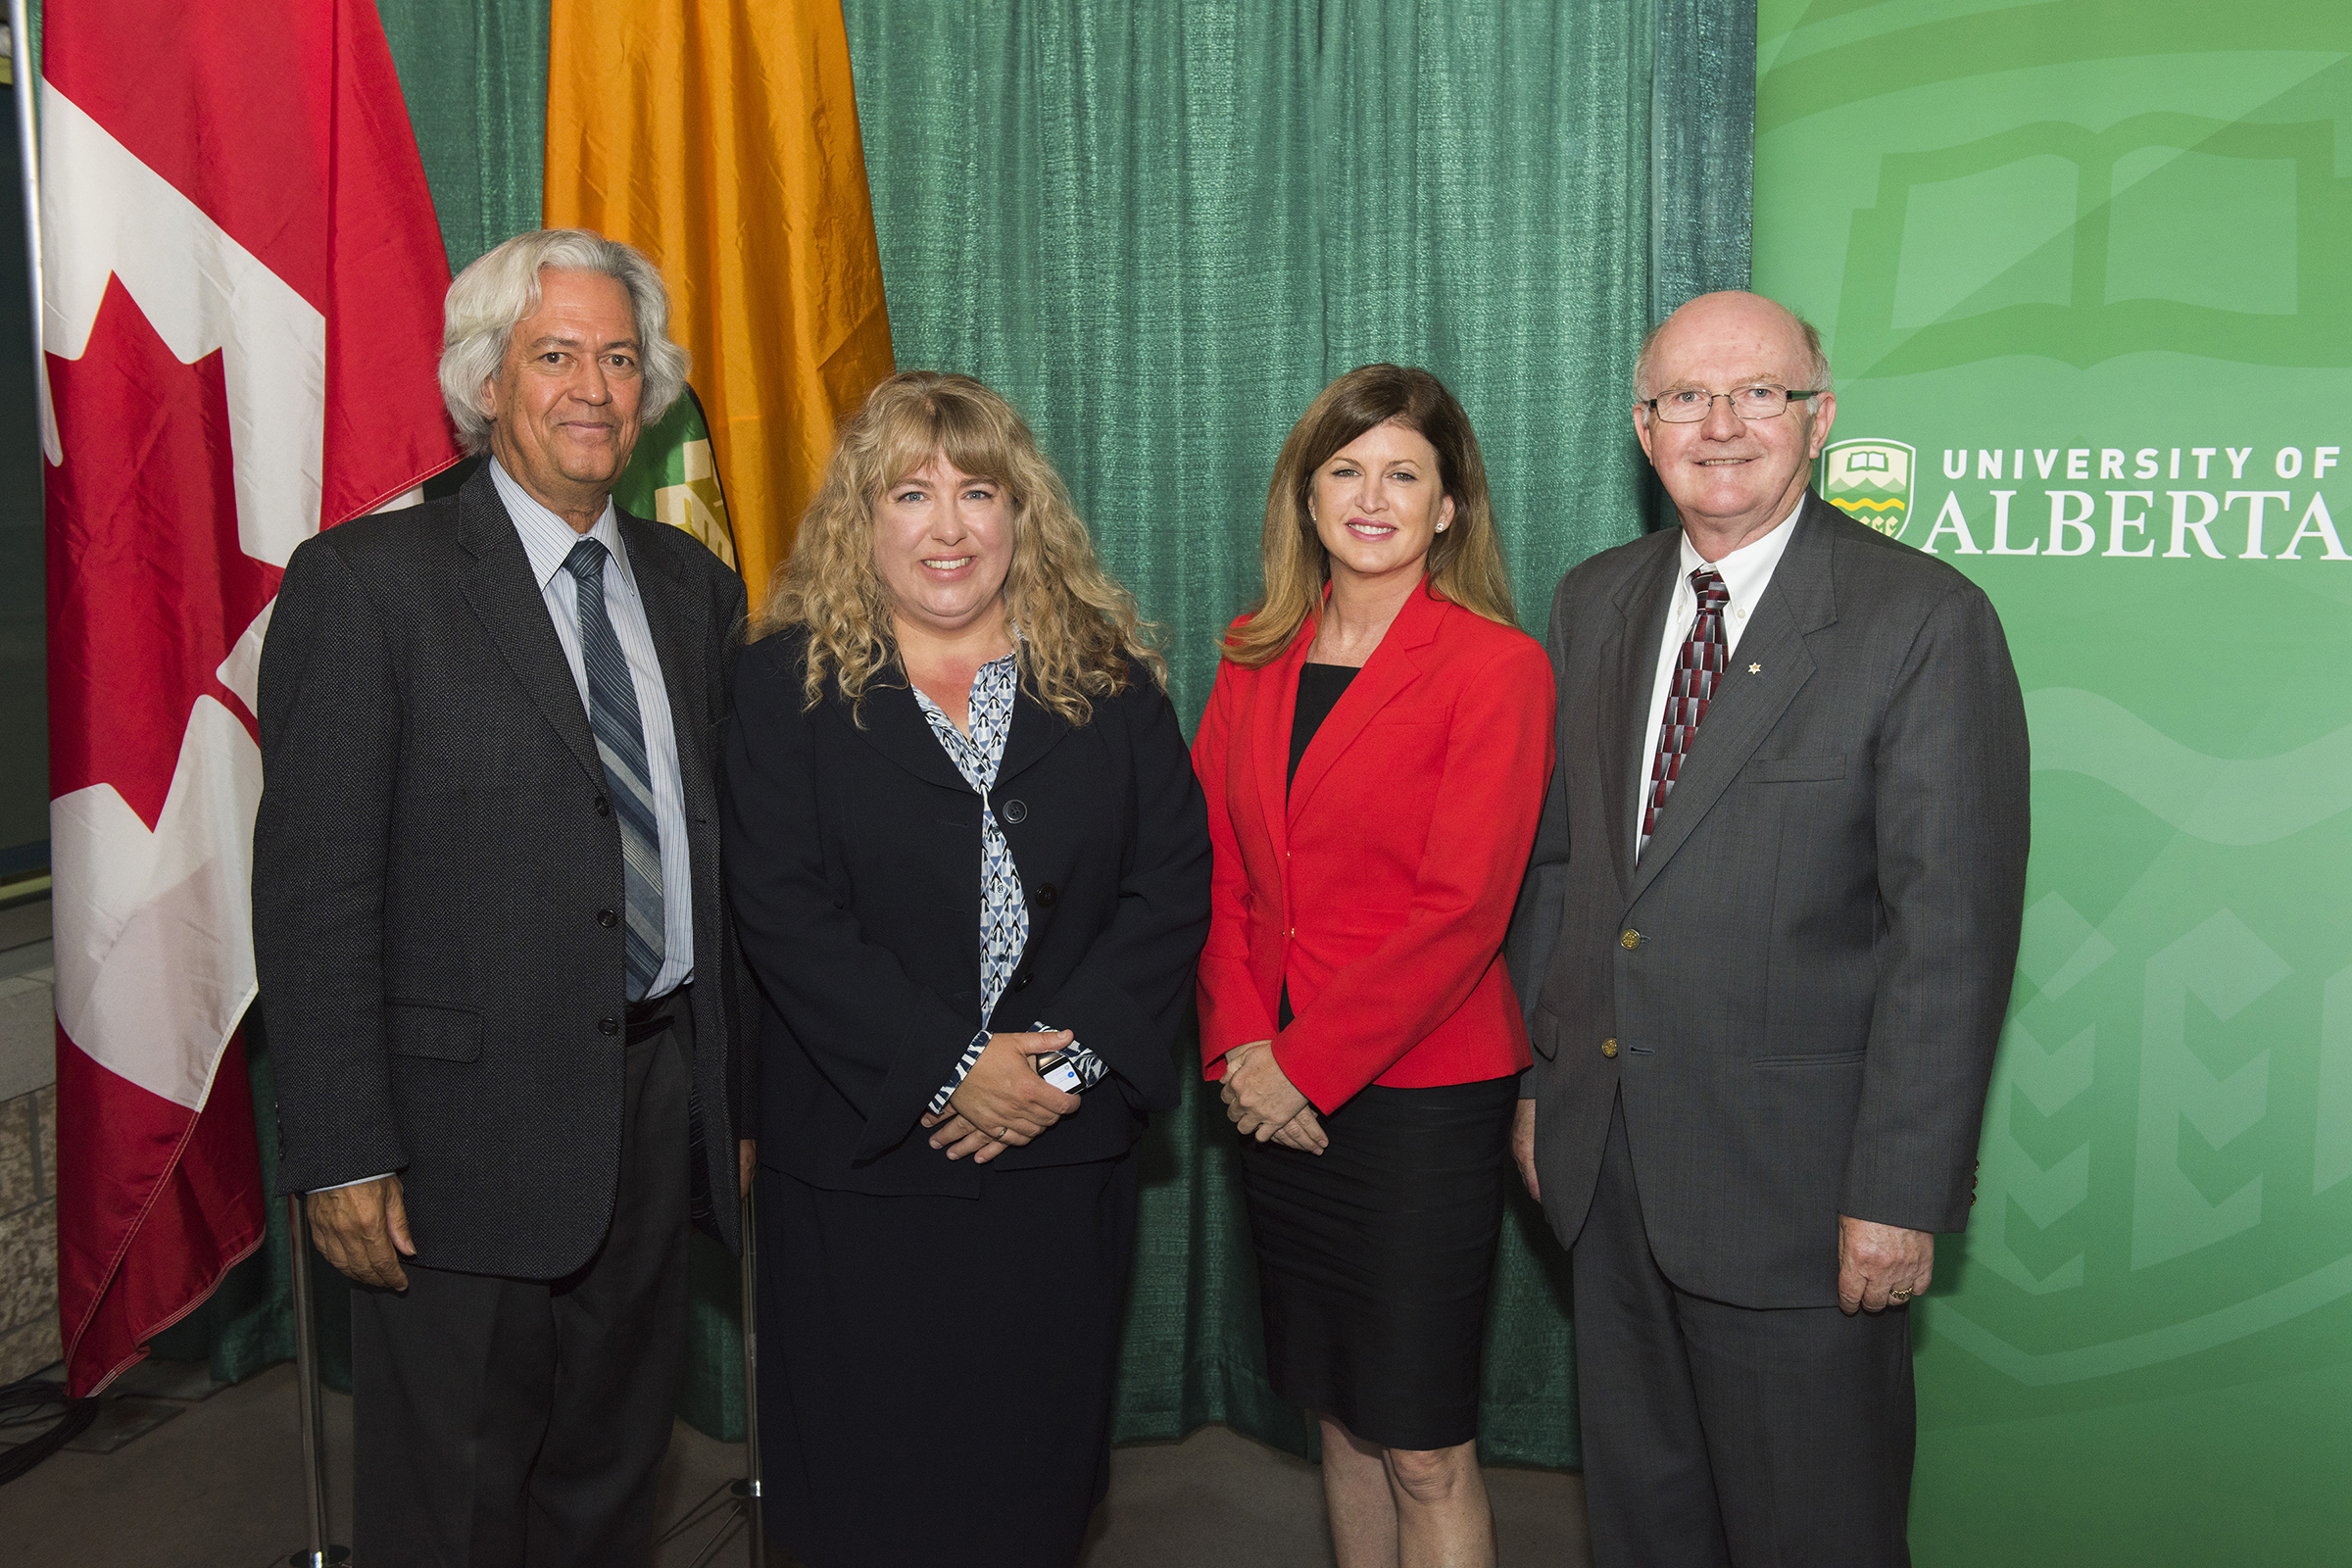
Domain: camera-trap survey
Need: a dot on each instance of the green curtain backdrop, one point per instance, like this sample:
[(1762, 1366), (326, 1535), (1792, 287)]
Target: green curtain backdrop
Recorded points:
[(474, 75), (1161, 229)]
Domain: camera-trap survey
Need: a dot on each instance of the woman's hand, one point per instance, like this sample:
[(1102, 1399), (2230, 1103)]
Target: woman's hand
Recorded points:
[(1002, 1102), (1304, 1133), (1258, 1097), (959, 1137)]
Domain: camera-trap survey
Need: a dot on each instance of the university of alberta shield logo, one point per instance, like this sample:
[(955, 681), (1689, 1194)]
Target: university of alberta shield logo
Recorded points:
[(1870, 481)]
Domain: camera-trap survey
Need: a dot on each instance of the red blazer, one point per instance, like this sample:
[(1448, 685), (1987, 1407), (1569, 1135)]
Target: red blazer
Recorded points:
[(1381, 885)]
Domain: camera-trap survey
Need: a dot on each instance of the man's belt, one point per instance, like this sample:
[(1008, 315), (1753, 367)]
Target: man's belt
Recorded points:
[(647, 1018)]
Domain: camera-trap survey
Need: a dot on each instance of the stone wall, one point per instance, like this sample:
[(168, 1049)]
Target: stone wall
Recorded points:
[(28, 1332)]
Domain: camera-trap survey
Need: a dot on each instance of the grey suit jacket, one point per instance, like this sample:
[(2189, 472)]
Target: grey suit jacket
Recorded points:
[(1798, 989), (434, 860)]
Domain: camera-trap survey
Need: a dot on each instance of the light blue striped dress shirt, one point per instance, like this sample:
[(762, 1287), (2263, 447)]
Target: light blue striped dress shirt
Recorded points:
[(547, 539)]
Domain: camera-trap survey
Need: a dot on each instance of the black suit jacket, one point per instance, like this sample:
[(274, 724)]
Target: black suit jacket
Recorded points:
[(1798, 989), (853, 866), (432, 861)]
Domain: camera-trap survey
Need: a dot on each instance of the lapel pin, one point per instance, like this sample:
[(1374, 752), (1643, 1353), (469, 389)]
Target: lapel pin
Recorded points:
[(1756, 669)]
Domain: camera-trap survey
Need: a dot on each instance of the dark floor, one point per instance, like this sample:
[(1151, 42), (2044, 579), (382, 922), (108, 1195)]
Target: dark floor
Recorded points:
[(217, 1482)]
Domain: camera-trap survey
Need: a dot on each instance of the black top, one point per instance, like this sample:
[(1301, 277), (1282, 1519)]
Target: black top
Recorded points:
[(1319, 689)]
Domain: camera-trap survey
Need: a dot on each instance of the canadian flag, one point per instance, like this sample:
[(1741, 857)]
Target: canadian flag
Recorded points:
[(242, 282)]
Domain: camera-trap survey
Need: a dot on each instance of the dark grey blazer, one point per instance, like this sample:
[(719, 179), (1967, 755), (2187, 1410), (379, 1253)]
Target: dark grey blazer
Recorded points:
[(1799, 988), (432, 862)]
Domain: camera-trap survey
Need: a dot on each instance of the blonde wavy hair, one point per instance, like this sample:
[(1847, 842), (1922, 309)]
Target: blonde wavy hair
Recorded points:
[(1081, 634), (1464, 563)]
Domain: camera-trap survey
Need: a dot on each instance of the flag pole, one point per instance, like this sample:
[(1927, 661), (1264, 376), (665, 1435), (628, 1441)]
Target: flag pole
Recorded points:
[(320, 1554), (753, 1513), (734, 1505), (27, 82)]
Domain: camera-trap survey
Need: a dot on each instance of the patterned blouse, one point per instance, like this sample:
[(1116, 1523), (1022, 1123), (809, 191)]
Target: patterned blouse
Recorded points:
[(1003, 905)]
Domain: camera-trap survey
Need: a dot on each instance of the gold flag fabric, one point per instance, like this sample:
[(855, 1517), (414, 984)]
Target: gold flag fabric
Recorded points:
[(720, 138)]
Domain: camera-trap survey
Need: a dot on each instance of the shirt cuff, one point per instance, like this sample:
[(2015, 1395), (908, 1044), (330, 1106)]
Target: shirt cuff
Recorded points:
[(964, 1067), (362, 1182)]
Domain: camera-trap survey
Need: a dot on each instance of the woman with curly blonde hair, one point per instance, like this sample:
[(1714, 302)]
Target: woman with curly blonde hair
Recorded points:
[(968, 863)]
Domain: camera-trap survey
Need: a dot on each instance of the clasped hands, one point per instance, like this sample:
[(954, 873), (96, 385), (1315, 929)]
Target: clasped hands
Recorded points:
[(1002, 1103), (1261, 1101)]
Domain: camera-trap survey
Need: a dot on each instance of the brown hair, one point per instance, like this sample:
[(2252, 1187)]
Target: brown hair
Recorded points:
[(1464, 562), (1080, 630)]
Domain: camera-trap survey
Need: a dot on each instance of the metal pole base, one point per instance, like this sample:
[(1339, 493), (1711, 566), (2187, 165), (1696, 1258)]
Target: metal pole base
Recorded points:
[(331, 1557), (731, 1506)]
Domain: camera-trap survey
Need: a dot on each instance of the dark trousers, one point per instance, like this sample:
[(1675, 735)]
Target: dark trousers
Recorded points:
[(507, 1423), (1730, 1436)]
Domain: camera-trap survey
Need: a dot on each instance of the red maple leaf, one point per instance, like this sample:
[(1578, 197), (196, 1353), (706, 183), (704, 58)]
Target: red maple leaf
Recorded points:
[(148, 586)]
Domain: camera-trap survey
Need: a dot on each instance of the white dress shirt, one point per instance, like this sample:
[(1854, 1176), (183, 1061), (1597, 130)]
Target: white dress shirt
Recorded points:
[(547, 539), (1746, 572)]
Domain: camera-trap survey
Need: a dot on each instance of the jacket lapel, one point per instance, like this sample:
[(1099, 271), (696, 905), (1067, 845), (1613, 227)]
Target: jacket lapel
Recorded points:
[(896, 726), (1036, 730), (503, 592), (1801, 599), (1629, 671), (1394, 666)]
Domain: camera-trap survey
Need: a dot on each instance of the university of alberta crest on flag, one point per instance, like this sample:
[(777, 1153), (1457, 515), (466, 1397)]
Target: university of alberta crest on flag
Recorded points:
[(242, 281)]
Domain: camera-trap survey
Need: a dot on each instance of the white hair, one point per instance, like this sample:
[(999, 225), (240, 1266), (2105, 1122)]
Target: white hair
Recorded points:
[(1818, 378), (500, 289)]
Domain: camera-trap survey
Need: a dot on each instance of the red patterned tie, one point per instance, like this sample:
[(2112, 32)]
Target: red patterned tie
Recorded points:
[(1695, 674)]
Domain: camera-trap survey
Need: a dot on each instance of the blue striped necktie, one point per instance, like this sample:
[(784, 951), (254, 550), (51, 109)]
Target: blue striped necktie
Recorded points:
[(621, 745)]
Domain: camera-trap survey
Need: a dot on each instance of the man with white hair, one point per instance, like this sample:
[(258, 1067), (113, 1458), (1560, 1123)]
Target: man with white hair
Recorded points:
[(1765, 946), (495, 968)]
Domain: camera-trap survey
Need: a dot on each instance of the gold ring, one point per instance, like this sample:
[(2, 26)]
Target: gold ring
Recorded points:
[(1898, 1295)]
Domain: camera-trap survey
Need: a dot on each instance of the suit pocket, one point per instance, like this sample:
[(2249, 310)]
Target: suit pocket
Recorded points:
[(1830, 1058), (432, 1029), (1793, 769)]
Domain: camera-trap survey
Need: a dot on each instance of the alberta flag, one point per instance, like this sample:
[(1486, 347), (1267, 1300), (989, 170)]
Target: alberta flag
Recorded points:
[(242, 281)]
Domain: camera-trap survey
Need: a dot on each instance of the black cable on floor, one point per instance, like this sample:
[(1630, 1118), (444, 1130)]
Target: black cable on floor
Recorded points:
[(30, 1394)]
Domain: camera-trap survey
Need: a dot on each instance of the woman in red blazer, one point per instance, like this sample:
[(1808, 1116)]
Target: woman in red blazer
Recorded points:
[(1374, 755)]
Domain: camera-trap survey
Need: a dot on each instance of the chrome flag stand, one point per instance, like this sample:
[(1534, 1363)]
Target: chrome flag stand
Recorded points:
[(734, 1505), (321, 1555)]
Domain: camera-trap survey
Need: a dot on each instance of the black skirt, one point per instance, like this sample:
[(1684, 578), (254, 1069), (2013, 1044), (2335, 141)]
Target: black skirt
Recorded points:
[(1374, 1258), (935, 1373)]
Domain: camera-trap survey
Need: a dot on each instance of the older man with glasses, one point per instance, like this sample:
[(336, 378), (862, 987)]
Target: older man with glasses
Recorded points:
[(1765, 947)]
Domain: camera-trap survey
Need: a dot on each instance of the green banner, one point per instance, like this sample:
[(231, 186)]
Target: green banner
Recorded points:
[(2082, 266)]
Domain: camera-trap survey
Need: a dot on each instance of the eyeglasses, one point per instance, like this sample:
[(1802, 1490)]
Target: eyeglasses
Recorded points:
[(1688, 404)]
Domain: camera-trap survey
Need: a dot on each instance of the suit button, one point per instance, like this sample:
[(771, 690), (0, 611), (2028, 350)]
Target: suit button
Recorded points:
[(1628, 939), (607, 918), (1608, 1046), (1046, 894), (1015, 812), (1020, 981), (604, 807), (608, 1026)]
